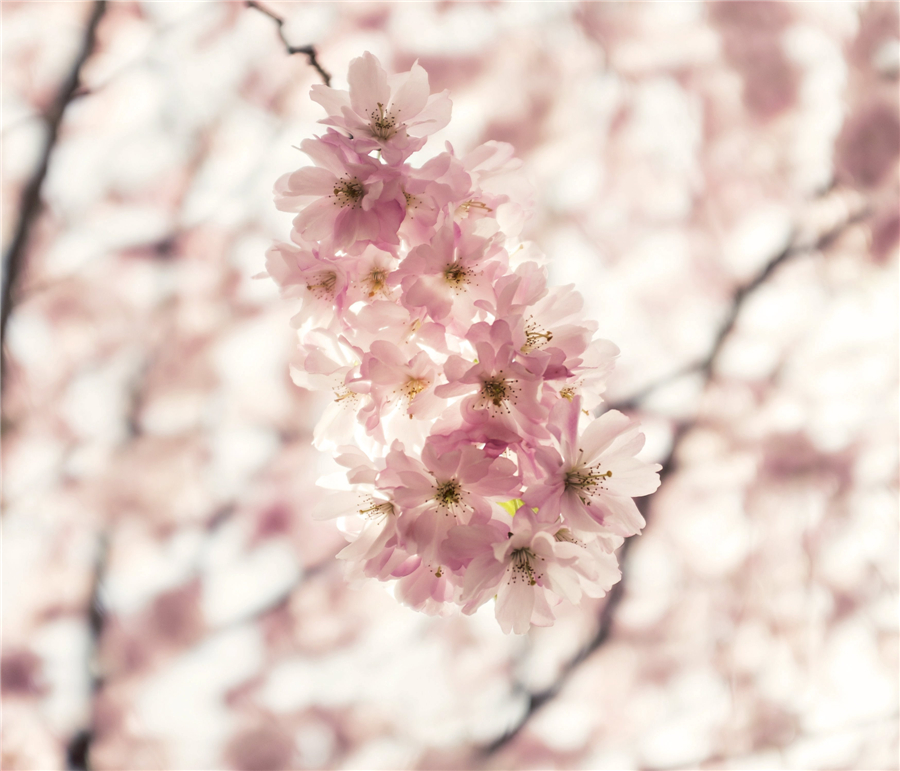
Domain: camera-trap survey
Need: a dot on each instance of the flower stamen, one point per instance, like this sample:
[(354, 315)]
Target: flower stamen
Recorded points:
[(376, 281), (535, 336), (413, 387), (456, 275), (497, 391), (325, 286), (382, 123), (466, 206), (345, 395), (522, 568), (565, 535), (349, 192), (587, 480), (448, 494), (377, 510)]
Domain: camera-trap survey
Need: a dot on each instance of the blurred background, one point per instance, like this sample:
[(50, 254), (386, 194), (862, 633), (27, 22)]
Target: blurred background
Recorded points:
[(721, 181)]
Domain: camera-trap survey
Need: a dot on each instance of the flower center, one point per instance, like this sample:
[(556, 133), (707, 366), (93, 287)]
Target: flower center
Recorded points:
[(566, 535), (456, 275), (376, 281), (535, 337), (496, 392), (376, 510), (382, 123), (413, 387), (568, 392), (466, 206), (345, 395), (522, 568), (349, 192), (448, 494), (588, 480), (325, 286)]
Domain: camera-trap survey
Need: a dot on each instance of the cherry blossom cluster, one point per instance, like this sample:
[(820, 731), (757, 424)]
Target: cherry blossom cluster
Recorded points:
[(462, 386)]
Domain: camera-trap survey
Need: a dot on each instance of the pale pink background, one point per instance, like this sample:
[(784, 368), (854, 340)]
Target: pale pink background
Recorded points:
[(157, 461)]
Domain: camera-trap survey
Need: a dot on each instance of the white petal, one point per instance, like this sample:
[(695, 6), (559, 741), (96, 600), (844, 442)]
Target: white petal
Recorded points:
[(601, 433), (515, 601), (433, 117), (368, 84), (332, 99), (410, 95)]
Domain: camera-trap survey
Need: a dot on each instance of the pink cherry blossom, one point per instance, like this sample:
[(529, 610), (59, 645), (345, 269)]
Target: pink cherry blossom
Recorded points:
[(432, 194), (457, 378), (593, 478), (449, 273), (390, 113), (408, 381), (319, 279), (530, 569), (427, 587), (500, 195), (347, 197), (501, 385)]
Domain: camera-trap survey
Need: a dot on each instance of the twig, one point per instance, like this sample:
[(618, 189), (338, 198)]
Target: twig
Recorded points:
[(30, 206), (538, 699), (308, 51), (79, 746)]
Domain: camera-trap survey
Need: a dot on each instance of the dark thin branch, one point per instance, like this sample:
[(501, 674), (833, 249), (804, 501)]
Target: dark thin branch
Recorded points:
[(308, 51), (30, 206), (538, 699), (79, 746)]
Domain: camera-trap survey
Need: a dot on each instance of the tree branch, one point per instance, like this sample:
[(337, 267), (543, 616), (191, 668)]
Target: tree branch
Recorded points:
[(308, 51), (705, 365), (537, 699), (30, 206), (79, 746)]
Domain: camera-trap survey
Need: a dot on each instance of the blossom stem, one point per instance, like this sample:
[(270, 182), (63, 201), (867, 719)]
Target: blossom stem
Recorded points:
[(308, 51)]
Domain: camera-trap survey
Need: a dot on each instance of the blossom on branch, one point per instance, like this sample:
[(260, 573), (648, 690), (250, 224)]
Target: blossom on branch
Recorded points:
[(462, 386)]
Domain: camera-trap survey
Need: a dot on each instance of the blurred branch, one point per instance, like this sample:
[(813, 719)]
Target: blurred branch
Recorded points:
[(705, 365), (537, 699), (636, 399), (723, 760), (78, 747), (283, 600), (30, 206), (308, 51)]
